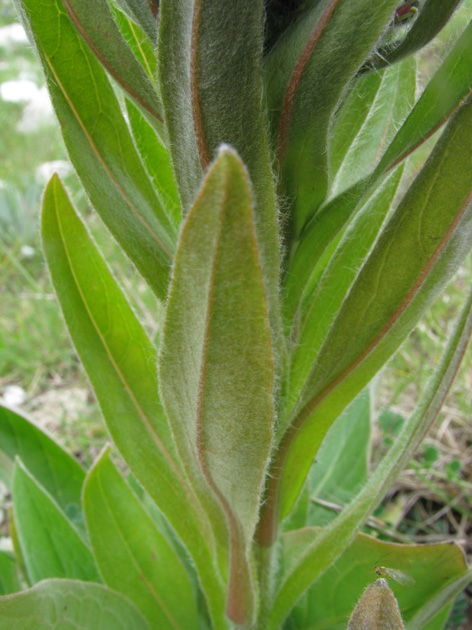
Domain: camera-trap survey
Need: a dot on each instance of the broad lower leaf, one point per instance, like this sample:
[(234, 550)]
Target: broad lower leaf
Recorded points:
[(9, 580), (120, 362), (341, 466), (313, 62), (430, 566), (57, 471), (50, 545), (314, 558), (100, 144), (216, 365), (433, 15), (64, 604), (422, 244), (100, 31), (133, 557)]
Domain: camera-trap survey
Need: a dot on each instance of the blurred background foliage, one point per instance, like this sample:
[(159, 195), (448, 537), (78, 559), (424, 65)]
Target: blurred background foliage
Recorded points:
[(39, 372)]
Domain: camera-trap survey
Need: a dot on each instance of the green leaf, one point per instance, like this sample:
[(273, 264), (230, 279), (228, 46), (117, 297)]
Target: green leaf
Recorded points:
[(50, 544), (313, 62), (322, 301), (216, 365), (64, 604), (449, 590), (420, 247), (9, 580), (57, 471), (157, 162), (100, 144), (433, 15), (145, 14), (333, 596), (215, 48), (391, 106), (350, 118), (313, 559), (142, 47), (100, 32), (133, 559), (341, 466), (442, 96), (120, 361)]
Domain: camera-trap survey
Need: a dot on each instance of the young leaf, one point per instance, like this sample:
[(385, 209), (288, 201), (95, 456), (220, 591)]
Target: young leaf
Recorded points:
[(145, 14), (433, 15), (100, 32), (423, 243), (120, 361), (50, 545), (57, 471), (216, 365), (215, 48), (100, 144), (69, 604), (313, 559), (157, 162), (133, 557), (376, 610), (313, 62)]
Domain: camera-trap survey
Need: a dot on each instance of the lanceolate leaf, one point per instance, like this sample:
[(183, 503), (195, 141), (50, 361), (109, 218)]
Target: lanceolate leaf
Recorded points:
[(424, 241), (145, 13), (321, 303), (9, 580), (57, 471), (133, 557), (51, 547), (157, 161), (216, 365), (215, 49), (99, 143), (100, 32), (314, 558), (441, 97), (433, 15), (312, 63), (120, 362), (69, 604)]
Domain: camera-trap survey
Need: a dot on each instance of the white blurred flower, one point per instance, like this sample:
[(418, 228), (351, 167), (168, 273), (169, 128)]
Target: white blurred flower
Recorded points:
[(12, 34), (46, 170), (19, 90), (14, 396), (37, 113), (27, 251)]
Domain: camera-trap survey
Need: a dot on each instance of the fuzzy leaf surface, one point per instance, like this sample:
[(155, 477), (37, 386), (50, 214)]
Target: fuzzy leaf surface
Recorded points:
[(57, 471), (100, 31), (99, 143), (51, 546), (64, 604), (120, 362), (135, 560), (216, 364), (422, 244), (305, 74)]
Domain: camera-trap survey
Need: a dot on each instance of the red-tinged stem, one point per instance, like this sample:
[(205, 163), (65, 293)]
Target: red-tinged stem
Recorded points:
[(154, 6), (297, 74), (268, 525), (194, 87)]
